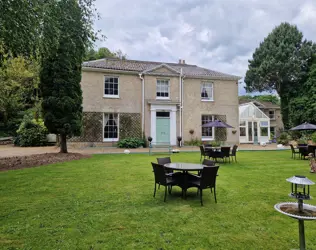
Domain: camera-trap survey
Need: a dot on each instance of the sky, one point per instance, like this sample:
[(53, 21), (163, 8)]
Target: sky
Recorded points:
[(216, 34)]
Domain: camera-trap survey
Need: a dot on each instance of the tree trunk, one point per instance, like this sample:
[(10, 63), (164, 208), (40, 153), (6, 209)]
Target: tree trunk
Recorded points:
[(63, 143), (285, 112)]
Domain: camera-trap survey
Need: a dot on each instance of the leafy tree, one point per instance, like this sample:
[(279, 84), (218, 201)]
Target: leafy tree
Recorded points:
[(103, 52), (20, 22), (264, 98), (19, 79), (302, 108), (61, 68), (280, 63)]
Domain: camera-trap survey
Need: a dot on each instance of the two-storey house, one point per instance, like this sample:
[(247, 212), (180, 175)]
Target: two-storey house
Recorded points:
[(129, 98)]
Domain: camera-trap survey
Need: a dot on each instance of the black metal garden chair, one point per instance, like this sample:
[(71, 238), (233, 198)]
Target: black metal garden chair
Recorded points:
[(233, 153), (204, 153), (162, 179), (294, 152), (207, 180)]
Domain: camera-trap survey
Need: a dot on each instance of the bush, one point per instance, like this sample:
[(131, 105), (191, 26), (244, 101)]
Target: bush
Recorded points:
[(302, 140), (283, 139), (31, 133), (295, 135), (313, 137), (216, 143), (193, 142), (130, 143)]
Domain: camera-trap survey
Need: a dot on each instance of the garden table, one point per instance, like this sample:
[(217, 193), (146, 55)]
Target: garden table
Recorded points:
[(184, 178), (207, 148)]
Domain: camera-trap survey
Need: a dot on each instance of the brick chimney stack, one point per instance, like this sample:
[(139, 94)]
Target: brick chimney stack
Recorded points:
[(181, 61)]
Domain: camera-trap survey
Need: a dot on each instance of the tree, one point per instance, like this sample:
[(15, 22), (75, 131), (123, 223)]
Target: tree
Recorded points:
[(263, 98), (61, 69), (103, 52), (280, 63), (302, 108), (20, 22), (19, 78)]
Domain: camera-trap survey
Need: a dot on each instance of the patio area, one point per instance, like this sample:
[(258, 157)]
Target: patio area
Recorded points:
[(106, 202), (10, 150)]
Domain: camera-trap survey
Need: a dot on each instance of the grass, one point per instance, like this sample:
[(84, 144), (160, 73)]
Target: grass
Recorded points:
[(106, 203)]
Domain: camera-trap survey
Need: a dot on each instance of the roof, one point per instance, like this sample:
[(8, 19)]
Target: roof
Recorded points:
[(147, 66), (250, 110), (261, 104)]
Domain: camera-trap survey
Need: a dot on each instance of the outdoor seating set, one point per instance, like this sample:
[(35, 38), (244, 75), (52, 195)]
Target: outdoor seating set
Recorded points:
[(303, 150), (224, 153), (170, 174)]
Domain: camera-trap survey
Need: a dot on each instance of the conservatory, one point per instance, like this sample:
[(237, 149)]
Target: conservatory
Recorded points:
[(254, 125)]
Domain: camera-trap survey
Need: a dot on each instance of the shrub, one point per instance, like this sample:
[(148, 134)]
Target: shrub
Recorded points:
[(283, 138), (295, 135), (130, 143), (313, 137), (302, 140), (216, 143), (193, 142), (31, 133)]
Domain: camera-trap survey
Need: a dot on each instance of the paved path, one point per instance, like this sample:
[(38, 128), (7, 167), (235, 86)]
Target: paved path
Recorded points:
[(10, 150)]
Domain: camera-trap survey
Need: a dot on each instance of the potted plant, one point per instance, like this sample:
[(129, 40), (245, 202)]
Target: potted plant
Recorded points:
[(179, 138), (271, 137), (149, 138)]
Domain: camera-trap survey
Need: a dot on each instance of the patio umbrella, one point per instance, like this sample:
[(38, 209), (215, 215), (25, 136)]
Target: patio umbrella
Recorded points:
[(305, 126), (216, 124)]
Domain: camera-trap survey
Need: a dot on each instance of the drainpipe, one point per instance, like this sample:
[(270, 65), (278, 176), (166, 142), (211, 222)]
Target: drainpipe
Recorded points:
[(180, 95), (182, 101), (143, 102)]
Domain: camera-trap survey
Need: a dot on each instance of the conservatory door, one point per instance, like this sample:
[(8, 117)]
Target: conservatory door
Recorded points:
[(250, 132), (255, 132)]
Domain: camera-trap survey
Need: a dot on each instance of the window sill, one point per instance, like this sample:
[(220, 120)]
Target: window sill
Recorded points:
[(111, 96), (110, 139), (162, 98), (207, 100), (207, 139)]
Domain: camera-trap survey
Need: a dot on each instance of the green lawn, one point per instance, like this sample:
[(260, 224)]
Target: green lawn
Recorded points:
[(106, 202)]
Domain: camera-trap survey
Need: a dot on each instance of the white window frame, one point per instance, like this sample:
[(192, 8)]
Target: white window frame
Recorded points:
[(118, 128), (118, 87), (243, 126), (206, 86), (160, 80), (207, 138), (272, 118)]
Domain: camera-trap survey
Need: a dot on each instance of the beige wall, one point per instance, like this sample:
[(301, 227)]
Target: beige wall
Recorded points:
[(150, 87), (130, 100), (130, 93), (225, 103), (277, 122), (150, 94)]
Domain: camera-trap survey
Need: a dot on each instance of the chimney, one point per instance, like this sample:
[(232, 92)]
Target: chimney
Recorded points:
[(181, 61)]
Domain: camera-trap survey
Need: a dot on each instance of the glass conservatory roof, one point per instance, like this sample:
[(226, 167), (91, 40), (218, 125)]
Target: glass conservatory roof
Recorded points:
[(249, 110)]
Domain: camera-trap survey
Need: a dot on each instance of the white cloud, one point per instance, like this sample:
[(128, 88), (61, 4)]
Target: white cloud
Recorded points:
[(218, 34)]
